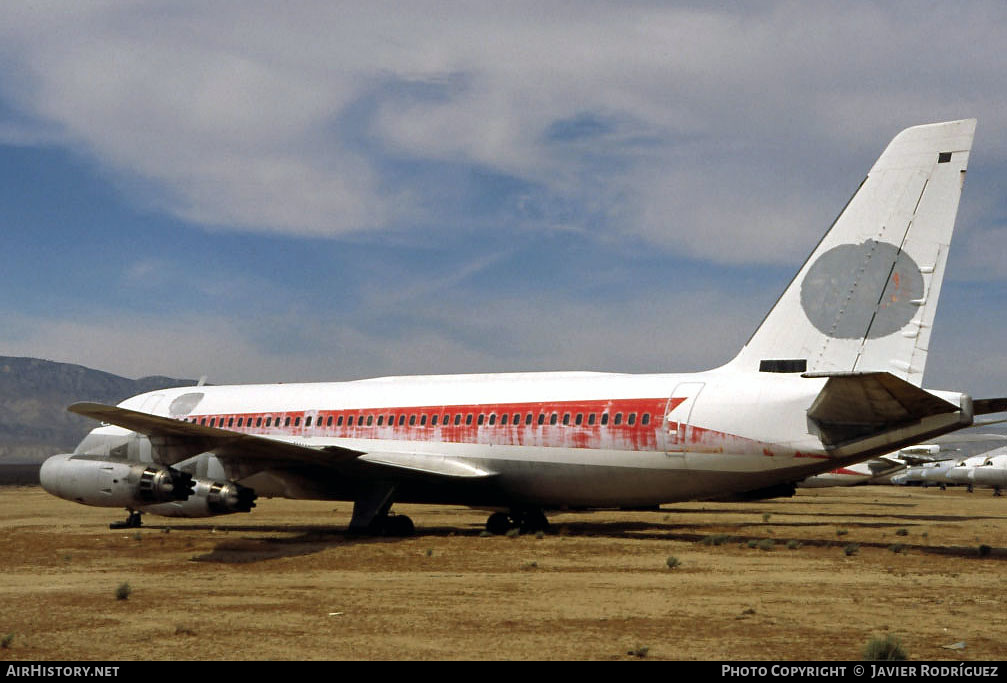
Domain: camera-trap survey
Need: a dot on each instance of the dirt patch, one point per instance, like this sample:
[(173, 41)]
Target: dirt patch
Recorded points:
[(813, 577)]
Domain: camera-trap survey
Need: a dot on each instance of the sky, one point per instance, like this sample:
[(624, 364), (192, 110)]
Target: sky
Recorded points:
[(259, 191)]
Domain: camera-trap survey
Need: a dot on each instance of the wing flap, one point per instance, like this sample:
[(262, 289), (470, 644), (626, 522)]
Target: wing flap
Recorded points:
[(438, 465)]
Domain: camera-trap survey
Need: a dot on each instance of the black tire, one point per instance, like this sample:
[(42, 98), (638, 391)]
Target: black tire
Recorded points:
[(399, 526), (498, 524)]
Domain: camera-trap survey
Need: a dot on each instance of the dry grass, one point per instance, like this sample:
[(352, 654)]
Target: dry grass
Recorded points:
[(284, 582)]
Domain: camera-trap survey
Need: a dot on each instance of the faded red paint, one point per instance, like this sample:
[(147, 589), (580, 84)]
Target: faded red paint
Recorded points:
[(638, 436)]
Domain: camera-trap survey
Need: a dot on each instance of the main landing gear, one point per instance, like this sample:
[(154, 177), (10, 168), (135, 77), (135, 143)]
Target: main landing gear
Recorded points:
[(371, 515), (526, 521), (132, 521)]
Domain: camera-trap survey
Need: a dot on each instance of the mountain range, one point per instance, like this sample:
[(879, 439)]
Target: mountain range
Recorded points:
[(34, 394)]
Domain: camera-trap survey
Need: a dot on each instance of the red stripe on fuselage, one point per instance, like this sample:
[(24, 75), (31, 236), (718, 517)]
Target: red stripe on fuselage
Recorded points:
[(570, 424)]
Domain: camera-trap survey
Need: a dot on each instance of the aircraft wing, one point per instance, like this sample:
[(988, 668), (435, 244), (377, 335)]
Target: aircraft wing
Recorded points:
[(173, 441)]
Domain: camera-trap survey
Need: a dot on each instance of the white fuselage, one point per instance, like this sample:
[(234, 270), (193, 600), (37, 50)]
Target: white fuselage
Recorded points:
[(569, 439)]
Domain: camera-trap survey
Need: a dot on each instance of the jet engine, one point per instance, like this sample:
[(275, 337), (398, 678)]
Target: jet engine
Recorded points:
[(209, 498), (113, 483)]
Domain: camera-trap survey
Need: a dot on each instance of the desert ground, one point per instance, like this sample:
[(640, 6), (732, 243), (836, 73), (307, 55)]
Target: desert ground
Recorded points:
[(813, 577)]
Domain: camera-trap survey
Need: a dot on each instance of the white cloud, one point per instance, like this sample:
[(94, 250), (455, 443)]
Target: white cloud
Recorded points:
[(283, 119)]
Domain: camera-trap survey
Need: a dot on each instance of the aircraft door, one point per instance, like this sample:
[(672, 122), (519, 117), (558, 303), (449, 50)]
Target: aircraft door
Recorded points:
[(677, 415)]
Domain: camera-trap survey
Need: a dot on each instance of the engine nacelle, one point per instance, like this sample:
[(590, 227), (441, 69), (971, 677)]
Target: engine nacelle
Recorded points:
[(113, 483), (209, 498)]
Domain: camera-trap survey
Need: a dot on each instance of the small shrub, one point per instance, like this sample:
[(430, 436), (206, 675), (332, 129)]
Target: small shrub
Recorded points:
[(842, 532), (123, 591), (715, 539), (430, 552), (851, 549), (884, 649), (639, 651), (985, 550), (902, 532), (765, 517), (672, 562), (753, 543), (513, 533), (793, 544), (896, 547), (766, 544), (7, 641), (182, 630)]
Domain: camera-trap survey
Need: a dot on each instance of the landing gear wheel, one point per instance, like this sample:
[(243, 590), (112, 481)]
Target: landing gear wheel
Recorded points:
[(399, 526), (534, 521), (133, 521), (498, 523)]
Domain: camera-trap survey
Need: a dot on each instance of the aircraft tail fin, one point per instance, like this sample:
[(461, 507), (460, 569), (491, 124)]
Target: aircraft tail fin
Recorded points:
[(866, 297)]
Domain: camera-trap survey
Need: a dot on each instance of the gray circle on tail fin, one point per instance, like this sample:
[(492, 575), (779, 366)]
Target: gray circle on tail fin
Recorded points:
[(844, 286)]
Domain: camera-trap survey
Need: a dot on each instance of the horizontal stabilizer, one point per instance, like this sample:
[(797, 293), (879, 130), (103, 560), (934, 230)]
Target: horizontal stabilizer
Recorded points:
[(174, 440), (985, 406), (854, 406)]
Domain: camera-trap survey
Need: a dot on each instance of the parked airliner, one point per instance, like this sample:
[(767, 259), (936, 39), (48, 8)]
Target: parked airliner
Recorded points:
[(831, 377)]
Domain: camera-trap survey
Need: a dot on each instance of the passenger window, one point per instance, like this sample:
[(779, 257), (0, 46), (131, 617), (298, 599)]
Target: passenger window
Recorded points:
[(580, 419), (517, 418), (566, 418), (412, 420), (230, 422), (286, 422), (258, 422), (402, 419), (297, 421), (503, 420), (618, 419), (528, 419), (360, 421), (269, 422), (541, 418), (645, 419), (604, 419), (481, 419), (381, 420), (433, 420), (493, 418), (468, 419), (632, 419), (339, 422), (370, 420), (423, 420), (590, 419), (328, 422), (239, 421), (458, 419), (553, 418)]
